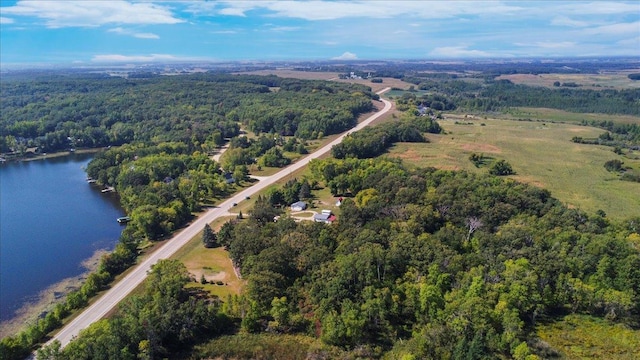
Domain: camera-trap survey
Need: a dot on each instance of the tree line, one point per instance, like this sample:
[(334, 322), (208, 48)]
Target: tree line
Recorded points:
[(489, 94), (60, 112), (374, 141)]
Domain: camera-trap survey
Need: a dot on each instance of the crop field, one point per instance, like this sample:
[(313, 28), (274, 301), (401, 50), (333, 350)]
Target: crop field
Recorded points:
[(618, 80), (311, 75), (540, 153), (585, 337)]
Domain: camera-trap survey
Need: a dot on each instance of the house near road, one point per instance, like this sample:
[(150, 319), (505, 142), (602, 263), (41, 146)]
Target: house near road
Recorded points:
[(228, 177), (298, 206)]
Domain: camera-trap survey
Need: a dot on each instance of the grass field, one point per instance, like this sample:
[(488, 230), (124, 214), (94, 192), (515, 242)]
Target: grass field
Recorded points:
[(214, 264), (257, 346), (540, 153), (617, 80), (585, 337), (553, 115)]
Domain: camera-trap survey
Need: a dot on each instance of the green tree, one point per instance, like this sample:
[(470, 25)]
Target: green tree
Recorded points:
[(305, 190), (209, 238), (501, 168)]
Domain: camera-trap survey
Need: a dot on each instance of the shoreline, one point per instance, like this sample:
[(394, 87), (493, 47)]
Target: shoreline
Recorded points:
[(37, 307), (36, 157)]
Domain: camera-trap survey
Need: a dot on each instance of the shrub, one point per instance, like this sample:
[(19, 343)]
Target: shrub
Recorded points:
[(501, 168), (613, 165)]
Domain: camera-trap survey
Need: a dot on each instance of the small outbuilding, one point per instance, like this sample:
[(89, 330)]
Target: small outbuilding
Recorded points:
[(324, 218), (298, 206)]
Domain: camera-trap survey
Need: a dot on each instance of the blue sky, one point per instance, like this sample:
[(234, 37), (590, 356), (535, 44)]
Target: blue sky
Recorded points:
[(92, 32)]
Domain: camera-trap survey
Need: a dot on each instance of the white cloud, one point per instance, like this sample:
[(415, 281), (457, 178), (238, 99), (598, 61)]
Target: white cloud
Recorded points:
[(233, 11), (566, 21), (331, 10), (597, 7), (146, 36), (630, 42), (346, 56), (549, 44), (285, 28), (129, 32), (57, 13), (615, 29), (457, 52), (224, 32), (6, 20), (137, 58)]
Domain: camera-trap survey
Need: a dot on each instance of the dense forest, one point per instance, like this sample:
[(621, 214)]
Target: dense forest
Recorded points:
[(61, 112), (435, 264), (422, 263)]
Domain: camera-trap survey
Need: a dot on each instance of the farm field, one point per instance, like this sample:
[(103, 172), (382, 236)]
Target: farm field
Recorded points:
[(541, 154), (311, 75), (616, 80)]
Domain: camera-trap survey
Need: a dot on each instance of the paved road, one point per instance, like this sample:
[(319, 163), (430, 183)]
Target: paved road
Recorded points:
[(123, 287)]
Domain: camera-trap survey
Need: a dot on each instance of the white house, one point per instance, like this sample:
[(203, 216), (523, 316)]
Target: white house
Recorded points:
[(298, 206)]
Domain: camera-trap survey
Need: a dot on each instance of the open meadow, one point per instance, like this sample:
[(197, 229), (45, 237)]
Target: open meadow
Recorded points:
[(613, 80), (541, 154), (555, 115)]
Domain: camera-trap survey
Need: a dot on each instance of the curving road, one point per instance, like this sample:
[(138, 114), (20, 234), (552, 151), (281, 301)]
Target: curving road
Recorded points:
[(123, 287)]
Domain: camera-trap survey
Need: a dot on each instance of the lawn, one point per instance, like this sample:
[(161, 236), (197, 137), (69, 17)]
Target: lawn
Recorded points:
[(214, 264), (585, 337), (540, 153)]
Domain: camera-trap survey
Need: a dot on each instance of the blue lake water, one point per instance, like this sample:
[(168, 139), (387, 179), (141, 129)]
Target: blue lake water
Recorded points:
[(50, 221)]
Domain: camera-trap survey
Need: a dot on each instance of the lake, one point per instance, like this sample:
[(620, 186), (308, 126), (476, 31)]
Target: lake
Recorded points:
[(51, 220)]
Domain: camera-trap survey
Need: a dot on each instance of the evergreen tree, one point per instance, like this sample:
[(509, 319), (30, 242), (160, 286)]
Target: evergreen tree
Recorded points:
[(209, 238)]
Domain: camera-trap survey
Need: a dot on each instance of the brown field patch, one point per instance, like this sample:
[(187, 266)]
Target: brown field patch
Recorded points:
[(410, 155), (580, 129), (529, 180), (485, 148)]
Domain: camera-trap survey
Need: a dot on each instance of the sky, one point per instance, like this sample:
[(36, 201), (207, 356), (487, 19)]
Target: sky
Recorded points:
[(143, 31)]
